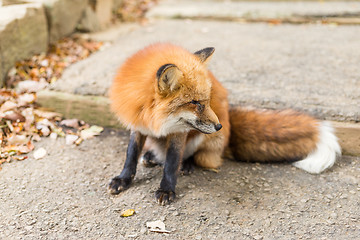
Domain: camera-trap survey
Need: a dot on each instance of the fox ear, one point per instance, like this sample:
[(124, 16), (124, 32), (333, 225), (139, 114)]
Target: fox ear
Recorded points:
[(205, 54), (168, 77)]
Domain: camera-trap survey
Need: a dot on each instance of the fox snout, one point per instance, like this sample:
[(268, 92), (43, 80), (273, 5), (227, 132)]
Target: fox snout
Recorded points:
[(218, 127), (205, 127), (212, 118), (206, 122)]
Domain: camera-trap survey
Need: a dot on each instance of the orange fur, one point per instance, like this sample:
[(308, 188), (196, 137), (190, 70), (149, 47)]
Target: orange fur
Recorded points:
[(210, 153), (134, 93), (139, 100), (265, 136)]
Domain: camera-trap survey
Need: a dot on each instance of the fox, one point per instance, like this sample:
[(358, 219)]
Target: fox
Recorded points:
[(178, 114)]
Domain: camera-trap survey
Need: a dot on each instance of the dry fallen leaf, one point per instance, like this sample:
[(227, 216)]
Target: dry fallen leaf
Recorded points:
[(25, 99), (78, 141), (128, 213), (70, 139), (18, 149), (157, 226), (53, 136), (30, 86), (45, 131), (91, 132), (19, 158), (74, 123), (17, 139), (46, 114), (8, 105), (14, 116), (213, 170)]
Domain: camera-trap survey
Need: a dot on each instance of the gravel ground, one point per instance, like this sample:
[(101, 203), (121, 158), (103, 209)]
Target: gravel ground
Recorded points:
[(64, 196)]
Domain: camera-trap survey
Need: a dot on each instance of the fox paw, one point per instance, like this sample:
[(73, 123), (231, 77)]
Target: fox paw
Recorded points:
[(164, 197), (187, 167), (149, 160), (118, 185)]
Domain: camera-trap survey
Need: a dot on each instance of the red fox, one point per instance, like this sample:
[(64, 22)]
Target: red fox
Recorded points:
[(169, 99)]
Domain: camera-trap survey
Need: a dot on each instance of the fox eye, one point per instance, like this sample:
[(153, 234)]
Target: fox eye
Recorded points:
[(195, 102), (199, 106)]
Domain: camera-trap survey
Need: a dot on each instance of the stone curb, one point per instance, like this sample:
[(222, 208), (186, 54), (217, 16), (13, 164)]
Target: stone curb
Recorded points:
[(91, 109), (96, 110)]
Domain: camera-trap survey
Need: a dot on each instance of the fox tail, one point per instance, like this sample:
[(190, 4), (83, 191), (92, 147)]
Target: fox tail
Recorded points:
[(283, 136)]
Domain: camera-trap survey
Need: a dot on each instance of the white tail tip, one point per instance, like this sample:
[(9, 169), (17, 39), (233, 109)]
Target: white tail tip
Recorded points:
[(325, 154)]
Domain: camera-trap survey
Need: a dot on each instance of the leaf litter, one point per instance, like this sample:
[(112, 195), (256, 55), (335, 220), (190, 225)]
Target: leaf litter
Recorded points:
[(35, 73), (130, 10), (22, 120)]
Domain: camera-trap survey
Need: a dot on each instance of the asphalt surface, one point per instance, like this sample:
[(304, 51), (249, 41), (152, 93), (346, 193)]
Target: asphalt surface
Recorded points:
[(64, 196)]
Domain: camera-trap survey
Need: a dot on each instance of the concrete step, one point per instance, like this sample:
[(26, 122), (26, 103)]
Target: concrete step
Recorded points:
[(344, 12), (96, 110), (91, 109), (312, 68)]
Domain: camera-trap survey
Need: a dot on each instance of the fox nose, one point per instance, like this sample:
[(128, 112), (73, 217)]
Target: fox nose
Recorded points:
[(218, 127)]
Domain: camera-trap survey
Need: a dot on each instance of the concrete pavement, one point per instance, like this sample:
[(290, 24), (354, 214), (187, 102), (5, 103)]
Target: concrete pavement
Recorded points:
[(313, 68), (257, 10)]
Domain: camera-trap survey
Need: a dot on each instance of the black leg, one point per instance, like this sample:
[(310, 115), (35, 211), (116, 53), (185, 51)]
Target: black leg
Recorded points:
[(188, 166), (175, 148), (123, 181)]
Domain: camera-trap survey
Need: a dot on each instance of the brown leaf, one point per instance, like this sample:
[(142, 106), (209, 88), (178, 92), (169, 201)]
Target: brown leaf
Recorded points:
[(20, 122), (157, 226), (70, 139), (73, 123), (25, 99), (15, 139), (46, 114), (28, 113), (30, 86), (91, 132), (18, 127), (8, 105), (20, 158), (14, 116)]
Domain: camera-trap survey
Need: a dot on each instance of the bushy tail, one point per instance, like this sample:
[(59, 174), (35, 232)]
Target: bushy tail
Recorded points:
[(282, 136)]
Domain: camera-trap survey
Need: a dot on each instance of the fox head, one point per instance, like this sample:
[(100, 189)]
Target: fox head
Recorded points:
[(187, 89)]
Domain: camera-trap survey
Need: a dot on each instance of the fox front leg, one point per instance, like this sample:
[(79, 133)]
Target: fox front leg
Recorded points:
[(123, 181), (175, 148)]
